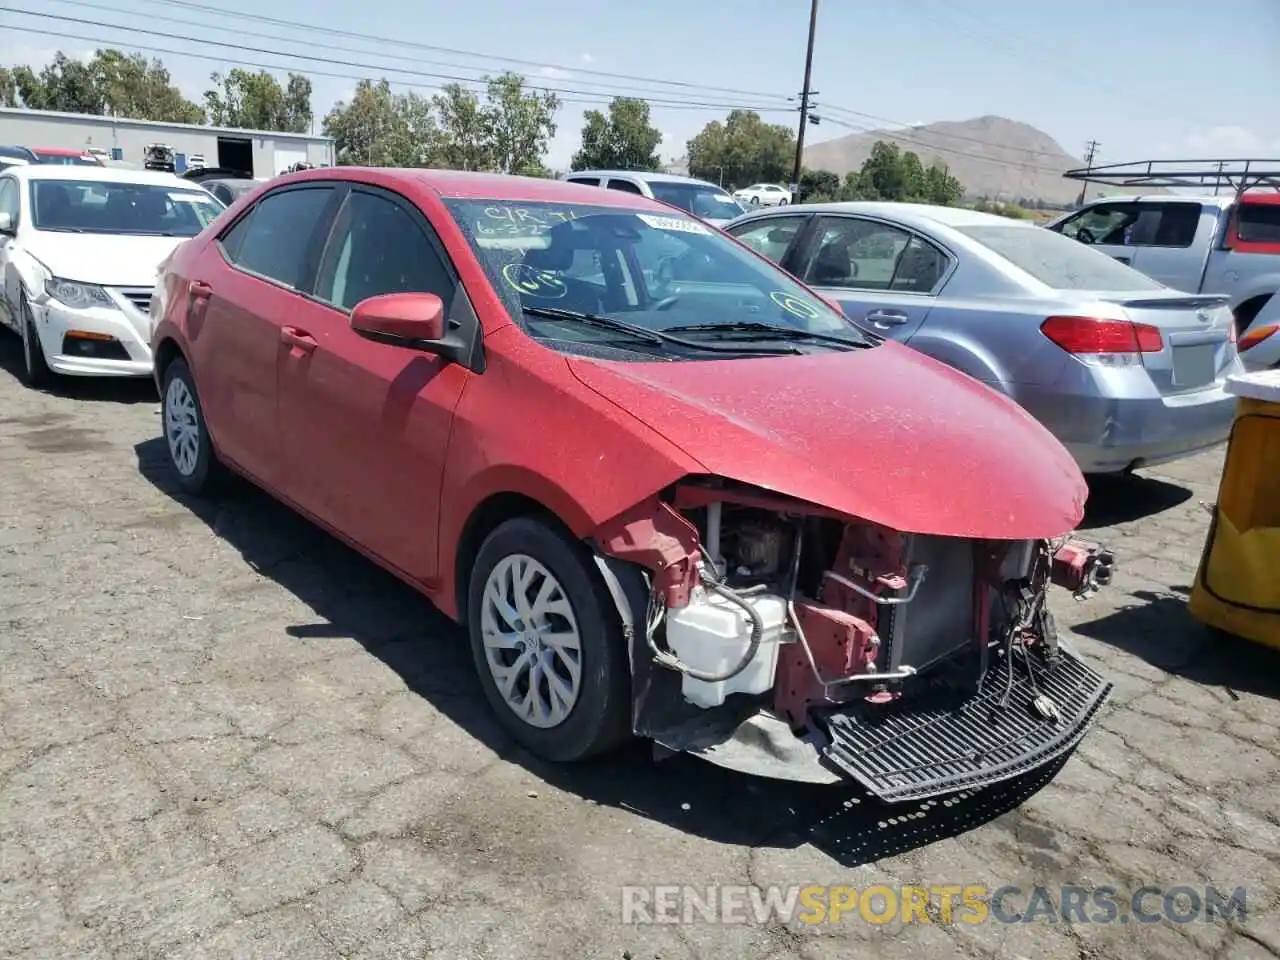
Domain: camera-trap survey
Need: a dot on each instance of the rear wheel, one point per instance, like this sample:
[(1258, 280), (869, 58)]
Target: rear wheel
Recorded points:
[(35, 368), (546, 642), (186, 435)]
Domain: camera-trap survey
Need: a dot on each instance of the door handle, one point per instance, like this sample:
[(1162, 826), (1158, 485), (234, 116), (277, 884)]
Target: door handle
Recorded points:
[(887, 318), (1125, 260), (298, 338)]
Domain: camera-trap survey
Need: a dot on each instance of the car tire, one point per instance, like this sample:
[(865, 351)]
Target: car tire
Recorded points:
[(186, 434), (575, 608), (35, 368)]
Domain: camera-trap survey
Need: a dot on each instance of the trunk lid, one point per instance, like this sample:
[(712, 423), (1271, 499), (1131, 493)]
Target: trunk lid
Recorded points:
[(1197, 347)]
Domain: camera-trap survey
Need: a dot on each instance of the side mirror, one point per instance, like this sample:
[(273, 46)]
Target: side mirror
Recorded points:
[(6, 224), (401, 319)]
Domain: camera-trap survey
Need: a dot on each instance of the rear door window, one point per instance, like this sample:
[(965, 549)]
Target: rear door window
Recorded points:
[(1259, 223), (1166, 225), (274, 239), (1104, 223), (855, 254), (1058, 262), (626, 186)]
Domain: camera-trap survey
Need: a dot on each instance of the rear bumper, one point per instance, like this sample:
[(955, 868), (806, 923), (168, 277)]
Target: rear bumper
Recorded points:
[(1107, 435)]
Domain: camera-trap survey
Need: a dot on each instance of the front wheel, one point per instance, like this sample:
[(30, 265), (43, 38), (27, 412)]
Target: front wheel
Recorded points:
[(35, 368), (547, 643)]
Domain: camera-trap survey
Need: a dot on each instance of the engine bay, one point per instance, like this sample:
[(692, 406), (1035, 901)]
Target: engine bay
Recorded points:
[(758, 604)]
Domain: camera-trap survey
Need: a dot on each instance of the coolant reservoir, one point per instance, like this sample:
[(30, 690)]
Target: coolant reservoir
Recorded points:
[(712, 635)]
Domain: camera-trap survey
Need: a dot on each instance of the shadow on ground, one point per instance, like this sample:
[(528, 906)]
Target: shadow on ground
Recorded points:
[(1159, 629), (93, 389), (354, 598), (1124, 499)]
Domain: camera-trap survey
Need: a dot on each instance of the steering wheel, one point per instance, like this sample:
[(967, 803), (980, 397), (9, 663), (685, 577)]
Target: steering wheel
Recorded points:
[(1085, 235), (666, 303)]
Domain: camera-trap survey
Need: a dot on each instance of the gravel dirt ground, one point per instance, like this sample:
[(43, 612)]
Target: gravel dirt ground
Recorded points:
[(224, 735)]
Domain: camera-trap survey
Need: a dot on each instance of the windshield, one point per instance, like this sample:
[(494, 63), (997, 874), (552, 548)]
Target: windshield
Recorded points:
[(92, 206), (660, 273), (1058, 261), (700, 199)]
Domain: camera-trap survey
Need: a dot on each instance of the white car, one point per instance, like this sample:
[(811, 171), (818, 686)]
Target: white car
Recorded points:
[(763, 195), (79, 250)]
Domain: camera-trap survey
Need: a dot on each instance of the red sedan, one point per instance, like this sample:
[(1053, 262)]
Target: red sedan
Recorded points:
[(669, 490)]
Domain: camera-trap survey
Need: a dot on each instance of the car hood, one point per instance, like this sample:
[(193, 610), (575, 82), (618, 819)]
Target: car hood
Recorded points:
[(109, 260), (885, 434)]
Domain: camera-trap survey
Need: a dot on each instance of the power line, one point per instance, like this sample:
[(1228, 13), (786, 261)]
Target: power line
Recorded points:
[(338, 62), (585, 98), (411, 44), (578, 96), (415, 59), (335, 61), (1020, 44)]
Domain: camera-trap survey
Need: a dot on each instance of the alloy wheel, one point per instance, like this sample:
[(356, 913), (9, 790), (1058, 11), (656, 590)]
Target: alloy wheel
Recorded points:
[(532, 645), (182, 427)]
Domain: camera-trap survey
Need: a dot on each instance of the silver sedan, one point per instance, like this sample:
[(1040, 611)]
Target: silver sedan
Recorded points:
[(1124, 371)]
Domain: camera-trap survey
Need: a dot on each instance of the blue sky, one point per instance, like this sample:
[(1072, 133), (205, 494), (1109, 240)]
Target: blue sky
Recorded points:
[(1174, 79)]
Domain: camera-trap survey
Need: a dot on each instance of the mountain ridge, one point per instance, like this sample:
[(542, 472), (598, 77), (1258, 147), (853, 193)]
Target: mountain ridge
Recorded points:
[(994, 157)]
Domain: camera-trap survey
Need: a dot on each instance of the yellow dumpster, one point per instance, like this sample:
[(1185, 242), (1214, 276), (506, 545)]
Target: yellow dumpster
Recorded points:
[(1237, 587)]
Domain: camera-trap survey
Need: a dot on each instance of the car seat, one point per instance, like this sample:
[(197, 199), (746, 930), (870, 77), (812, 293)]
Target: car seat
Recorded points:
[(831, 265)]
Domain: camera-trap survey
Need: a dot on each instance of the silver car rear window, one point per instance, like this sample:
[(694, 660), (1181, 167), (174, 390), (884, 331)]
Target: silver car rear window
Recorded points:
[(1058, 261)]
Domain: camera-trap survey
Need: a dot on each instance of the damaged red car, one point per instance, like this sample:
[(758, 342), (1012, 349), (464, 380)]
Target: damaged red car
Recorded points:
[(669, 491)]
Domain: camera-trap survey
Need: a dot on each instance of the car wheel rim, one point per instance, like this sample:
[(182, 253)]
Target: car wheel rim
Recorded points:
[(182, 427), (531, 641)]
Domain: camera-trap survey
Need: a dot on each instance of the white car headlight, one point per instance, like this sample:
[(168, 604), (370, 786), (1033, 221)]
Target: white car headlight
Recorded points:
[(77, 295)]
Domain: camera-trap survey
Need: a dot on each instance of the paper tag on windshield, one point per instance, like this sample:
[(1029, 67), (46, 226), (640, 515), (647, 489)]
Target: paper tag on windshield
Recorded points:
[(673, 223), (188, 198)]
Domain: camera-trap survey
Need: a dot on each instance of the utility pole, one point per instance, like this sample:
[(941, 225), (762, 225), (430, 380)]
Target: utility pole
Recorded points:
[(805, 94), (1091, 148)]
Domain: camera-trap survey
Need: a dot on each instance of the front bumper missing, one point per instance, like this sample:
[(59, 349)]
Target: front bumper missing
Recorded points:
[(928, 746)]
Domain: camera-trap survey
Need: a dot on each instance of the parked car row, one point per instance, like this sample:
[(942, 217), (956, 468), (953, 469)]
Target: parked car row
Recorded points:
[(12, 156)]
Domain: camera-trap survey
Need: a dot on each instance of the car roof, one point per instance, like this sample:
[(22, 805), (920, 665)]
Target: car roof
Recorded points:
[(470, 185), (646, 175), (40, 171), (1222, 201), (13, 150), (920, 215), (59, 152)]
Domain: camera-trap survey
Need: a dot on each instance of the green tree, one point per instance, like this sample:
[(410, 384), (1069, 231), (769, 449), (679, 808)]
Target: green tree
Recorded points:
[(623, 140), (380, 128), (464, 139), (63, 84), (257, 101), (8, 88), (892, 174), (110, 83), (517, 125), (940, 186), (819, 186), (742, 150)]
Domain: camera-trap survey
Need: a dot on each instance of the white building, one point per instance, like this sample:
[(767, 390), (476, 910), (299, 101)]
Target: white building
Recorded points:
[(262, 153)]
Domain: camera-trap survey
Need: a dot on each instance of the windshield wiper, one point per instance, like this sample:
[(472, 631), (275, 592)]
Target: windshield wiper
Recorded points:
[(767, 331), (642, 333)]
